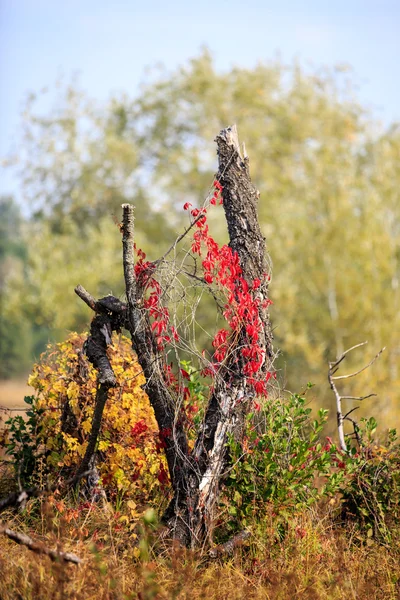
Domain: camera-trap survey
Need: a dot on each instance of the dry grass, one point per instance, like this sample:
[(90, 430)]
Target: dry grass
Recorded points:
[(313, 561)]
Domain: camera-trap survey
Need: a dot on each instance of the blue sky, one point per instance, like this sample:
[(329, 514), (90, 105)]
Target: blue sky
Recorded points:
[(110, 43)]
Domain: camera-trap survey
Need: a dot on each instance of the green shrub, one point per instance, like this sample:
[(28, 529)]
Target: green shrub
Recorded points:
[(280, 461)]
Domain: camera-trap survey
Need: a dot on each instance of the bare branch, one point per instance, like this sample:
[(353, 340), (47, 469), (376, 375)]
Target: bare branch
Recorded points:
[(349, 413), (39, 548), (152, 363), (105, 306), (333, 368), (179, 239), (334, 365), (128, 229), (101, 399), (339, 414), (359, 398), (355, 430), (344, 354), (111, 317), (86, 297), (360, 370)]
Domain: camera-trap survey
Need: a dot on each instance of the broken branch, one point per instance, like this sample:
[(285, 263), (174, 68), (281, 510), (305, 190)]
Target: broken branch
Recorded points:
[(39, 548)]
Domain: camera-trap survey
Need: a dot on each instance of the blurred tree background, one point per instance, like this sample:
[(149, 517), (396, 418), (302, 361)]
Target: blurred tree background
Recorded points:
[(329, 178)]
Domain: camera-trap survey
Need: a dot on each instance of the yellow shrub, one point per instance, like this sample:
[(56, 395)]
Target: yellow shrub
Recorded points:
[(131, 457)]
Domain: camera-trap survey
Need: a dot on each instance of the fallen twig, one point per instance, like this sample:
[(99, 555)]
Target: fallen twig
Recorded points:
[(39, 548)]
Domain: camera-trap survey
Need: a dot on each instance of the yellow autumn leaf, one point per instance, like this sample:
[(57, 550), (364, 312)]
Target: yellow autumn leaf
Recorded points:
[(81, 450), (32, 380), (124, 519), (127, 400), (154, 468), (73, 390), (86, 426)]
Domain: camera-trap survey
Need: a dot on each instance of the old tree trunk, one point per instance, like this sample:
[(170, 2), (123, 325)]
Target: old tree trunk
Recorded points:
[(197, 474)]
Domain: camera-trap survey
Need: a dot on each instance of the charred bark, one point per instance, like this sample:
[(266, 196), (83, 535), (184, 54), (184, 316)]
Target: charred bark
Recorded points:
[(110, 317)]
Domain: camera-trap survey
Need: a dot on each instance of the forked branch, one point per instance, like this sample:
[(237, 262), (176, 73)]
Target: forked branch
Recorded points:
[(333, 368)]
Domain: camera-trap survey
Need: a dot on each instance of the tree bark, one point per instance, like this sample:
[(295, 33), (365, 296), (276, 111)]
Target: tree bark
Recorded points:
[(232, 395)]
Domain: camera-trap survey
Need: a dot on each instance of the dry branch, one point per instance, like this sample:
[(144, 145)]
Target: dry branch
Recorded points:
[(333, 368), (101, 399), (153, 363), (110, 316), (232, 396), (38, 547), (363, 368)]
